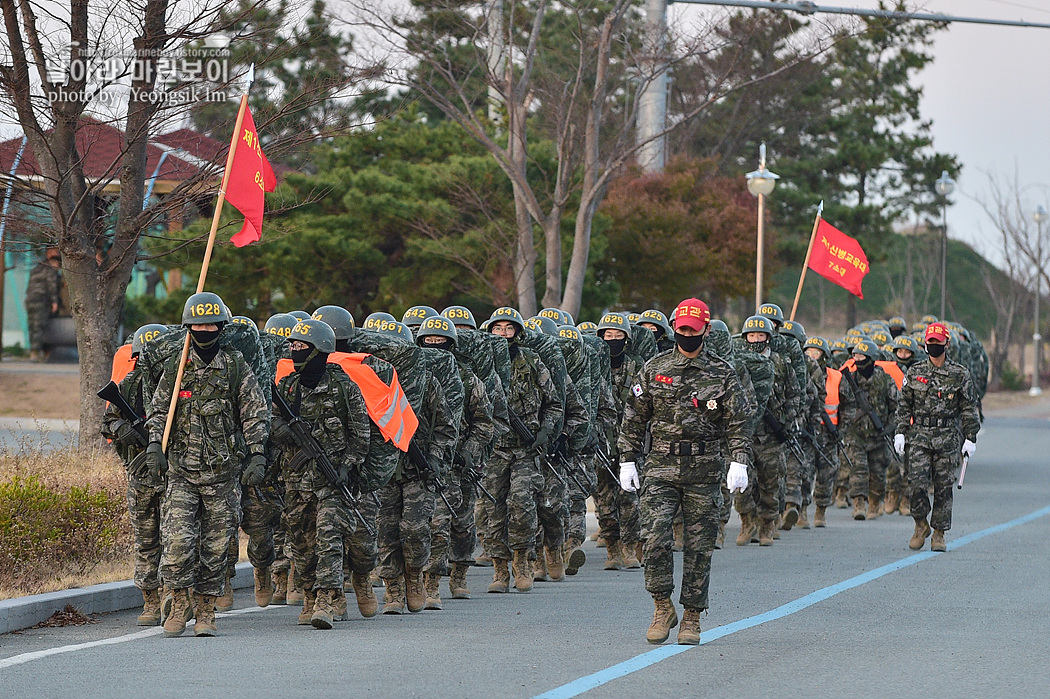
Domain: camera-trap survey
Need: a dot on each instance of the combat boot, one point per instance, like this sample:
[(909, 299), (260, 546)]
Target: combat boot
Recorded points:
[(339, 608), (374, 578), (483, 561), (394, 597), (367, 602), (720, 538), (280, 587), (937, 542), (522, 571), (747, 529), (790, 517), (904, 508), (555, 563), (576, 556), (766, 531), (630, 557), (803, 519), (457, 582), (224, 602), (432, 585), (665, 618), (205, 625), (601, 543), (841, 501), (500, 576), (175, 623), (309, 600), (414, 593), (150, 608), (295, 595), (539, 569), (322, 617), (892, 502), (874, 508), (820, 518), (860, 508), (689, 631), (263, 587), (614, 556), (918, 539)]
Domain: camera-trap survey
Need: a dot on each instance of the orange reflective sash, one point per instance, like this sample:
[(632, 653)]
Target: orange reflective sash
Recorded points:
[(831, 402), (123, 363), (893, 370), (848, 365), (387, 406)]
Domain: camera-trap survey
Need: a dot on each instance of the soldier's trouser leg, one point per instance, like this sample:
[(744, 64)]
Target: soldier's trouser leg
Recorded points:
[(896, 480), (606, 501), (630, 518), (37, 318), (726, 508), (824, 480), (493, 530), (282, 561), (577, 525), (405, 511), (334, 525), (260, 515), (793, 479), (360, 548), (859, 478), (551, 508), (233, 553), (842, 474), (745, 503), (441, 527), (807, 473), (660, 501), (526, 483), (301, 516), (463, 535), (879, 462), (144, 506), (941, 467), (769, 467), (198, 521)]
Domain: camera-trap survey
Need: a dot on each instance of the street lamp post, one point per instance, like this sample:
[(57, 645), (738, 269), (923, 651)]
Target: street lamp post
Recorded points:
[(945, 186), (761, 183), (1037, 339)]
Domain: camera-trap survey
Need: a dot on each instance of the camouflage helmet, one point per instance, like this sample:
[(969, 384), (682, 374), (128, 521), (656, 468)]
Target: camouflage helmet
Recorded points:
[(839, 346), (145, 335), (819, 343), (868, 348), (633, 317), (719, 325), (338, 319), (881, 337), (852, 340), (485, 324), (897, 323), (614, 321), (928, 319), (280, 324), (243, 320), (793, 328), (542, 324), (773, 312), (205, 308), (316, 333), (395, 329), (439, 326), (460, 315), (655, 317), (854, 332), (570, 332), (373, 320), (299, 315), (906, 342), (587, 327), (559, 316), (758, 324), (415, 316), (511, 315)]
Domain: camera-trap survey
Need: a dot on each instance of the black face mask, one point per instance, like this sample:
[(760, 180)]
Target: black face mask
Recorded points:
[(616, 347), (445, 344), (342, 346), (935, 350), (206, 343), (310, 364), (617, 360), (866, 368), (758, 347), (689, 343)]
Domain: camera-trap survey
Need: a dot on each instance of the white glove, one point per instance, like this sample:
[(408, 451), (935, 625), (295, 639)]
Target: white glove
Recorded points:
[(968, 449), (629, 477), (898, 444), (736, 479)]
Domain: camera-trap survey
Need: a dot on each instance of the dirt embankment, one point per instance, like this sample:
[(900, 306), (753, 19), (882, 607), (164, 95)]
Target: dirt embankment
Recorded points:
[(39, 391)]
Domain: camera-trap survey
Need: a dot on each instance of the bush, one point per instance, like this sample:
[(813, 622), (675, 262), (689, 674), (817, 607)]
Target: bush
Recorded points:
[(1010, 379)]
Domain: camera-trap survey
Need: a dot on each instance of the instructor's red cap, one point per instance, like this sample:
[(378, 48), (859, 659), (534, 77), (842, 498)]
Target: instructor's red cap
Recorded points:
[(936, 332), (691, 313)]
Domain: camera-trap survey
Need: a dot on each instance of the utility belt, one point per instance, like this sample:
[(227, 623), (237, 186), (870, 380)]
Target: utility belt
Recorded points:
[(931, 421), (709, 447)]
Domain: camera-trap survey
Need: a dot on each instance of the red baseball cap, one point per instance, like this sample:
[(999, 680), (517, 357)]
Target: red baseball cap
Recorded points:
[(936, 332), (691, 313)]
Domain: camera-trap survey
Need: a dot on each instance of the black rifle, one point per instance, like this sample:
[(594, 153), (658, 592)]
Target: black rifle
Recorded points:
[(812, 439), (111, 392), (311, 449), (526, 436), (426, 472), (862, 401), (474, 478), (836, 436), (783, 436), (606, 464), (560, 454)]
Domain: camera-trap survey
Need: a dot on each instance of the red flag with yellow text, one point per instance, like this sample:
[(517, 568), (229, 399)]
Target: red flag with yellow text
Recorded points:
[(838, 258), (249, 179)]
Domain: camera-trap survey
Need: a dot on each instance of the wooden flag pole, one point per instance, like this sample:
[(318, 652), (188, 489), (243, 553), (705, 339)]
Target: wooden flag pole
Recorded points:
[(805, 265), (204, 268)]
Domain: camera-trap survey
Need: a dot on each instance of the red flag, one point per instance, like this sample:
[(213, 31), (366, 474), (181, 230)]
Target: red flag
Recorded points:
[(250, 177), (838, 258)]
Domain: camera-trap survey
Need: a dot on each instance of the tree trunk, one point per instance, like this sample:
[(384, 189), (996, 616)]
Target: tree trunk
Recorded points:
[(552, 296), (851, 310), (581, 249), (524, 261)]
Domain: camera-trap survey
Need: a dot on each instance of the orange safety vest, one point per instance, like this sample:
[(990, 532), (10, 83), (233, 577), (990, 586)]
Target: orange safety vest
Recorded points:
[(387, 406), (831, 402), (123, 363), (893, 370)]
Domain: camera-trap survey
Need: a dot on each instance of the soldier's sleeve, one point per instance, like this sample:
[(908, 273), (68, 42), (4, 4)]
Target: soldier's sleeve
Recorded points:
[(893, 396), (902, 415), (112, 416), (500, 413), (607, 415), (480, 426), (577, 424), (971, 419), (157, 412), (736, 418), (847, 405), (254, 411), (637, 413), (443, 432), (358, 427), (551, 410)]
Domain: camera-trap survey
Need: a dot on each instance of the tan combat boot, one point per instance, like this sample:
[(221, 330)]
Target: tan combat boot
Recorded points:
[(766, 531), (280, 587), (339, 609), (483, 561), (841, 501), (904, 508), (790, 517), (803, 518), (860, 508), (150, 608), (457, 582), (937, 542), (555, 563), (500, 576), (414, 593), (309, 600), (522, 571), (918, 539), (614, 556), (367, 602), (720, 538), (601, 543), (432, 585), (665, 618), (747, 529), (224, 602), (263, 587), (205, 605), (689, 631), (295, 595), (820, 517), (175, 623), (323, 617), (892, 502), (539, 568), (576, 557), (394, 597), (874, 508)]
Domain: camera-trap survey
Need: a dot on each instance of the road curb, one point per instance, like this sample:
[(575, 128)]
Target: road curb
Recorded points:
[(22, 612)]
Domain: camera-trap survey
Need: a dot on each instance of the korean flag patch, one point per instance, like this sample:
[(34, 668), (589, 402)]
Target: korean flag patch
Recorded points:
[(637, 390)]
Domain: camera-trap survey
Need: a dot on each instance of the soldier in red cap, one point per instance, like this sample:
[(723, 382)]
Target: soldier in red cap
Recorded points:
[(937, 424), (691, 401)]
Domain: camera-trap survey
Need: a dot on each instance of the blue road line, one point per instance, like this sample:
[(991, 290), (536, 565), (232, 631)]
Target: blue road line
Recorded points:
[(640, 662)]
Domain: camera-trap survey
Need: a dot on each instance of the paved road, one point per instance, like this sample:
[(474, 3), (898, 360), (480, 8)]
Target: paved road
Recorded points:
[(969, 622)]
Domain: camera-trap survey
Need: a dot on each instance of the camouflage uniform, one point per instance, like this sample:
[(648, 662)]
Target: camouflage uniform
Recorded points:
[(866, 447), (824, 480), (552, 503), (936, 412), (43, 291), (618, 517), (800, 482), (682, 401), (220, 417)]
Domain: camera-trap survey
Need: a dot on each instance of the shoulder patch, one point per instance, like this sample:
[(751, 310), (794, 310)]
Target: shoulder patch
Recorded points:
[(637, 390)]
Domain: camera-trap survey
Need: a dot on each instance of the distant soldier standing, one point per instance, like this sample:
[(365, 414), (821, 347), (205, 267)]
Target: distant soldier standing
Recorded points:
[(691, 401), (43, 301), (937, 424)]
